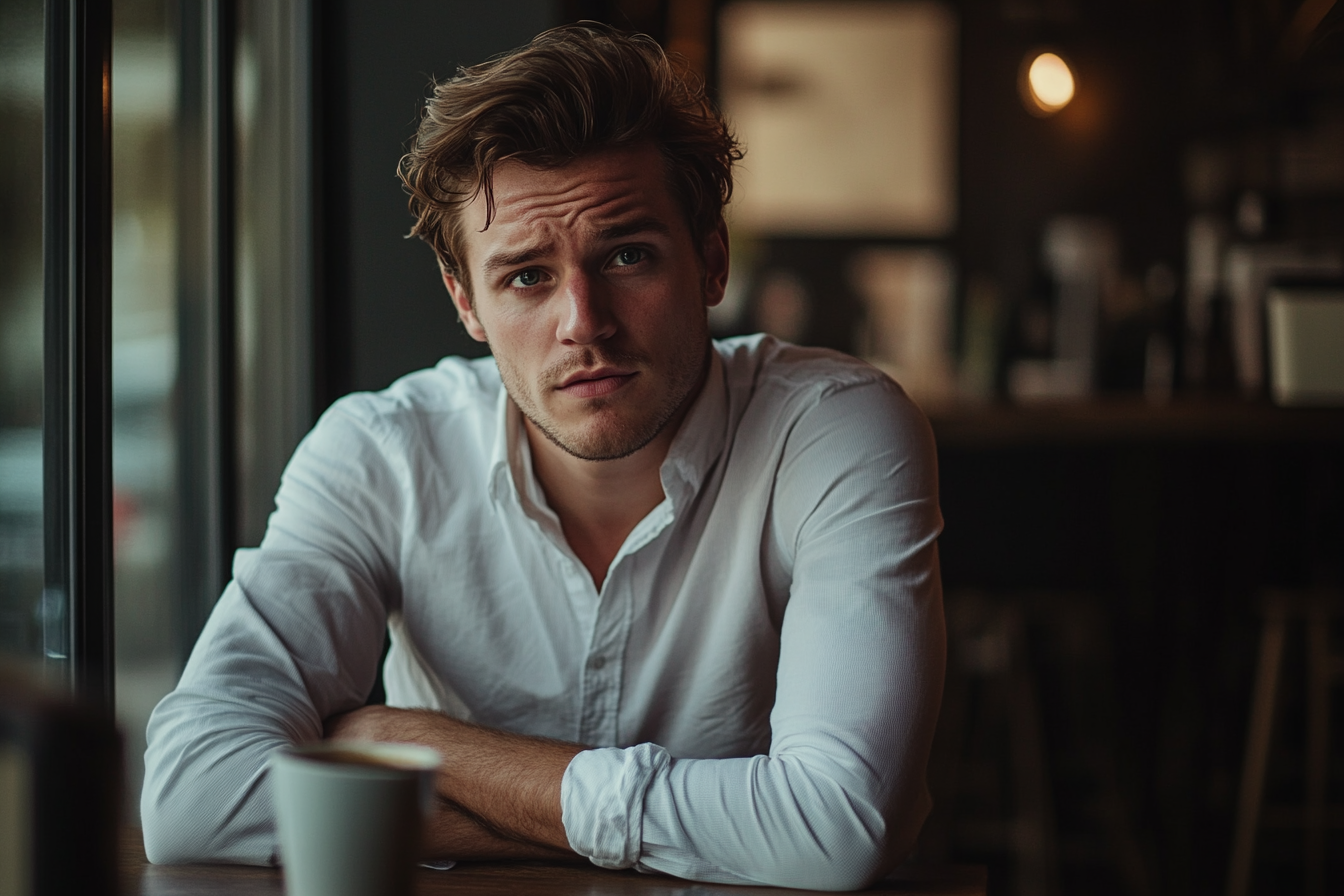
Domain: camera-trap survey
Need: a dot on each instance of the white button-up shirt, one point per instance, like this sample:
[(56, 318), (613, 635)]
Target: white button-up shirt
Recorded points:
[(758, 676)]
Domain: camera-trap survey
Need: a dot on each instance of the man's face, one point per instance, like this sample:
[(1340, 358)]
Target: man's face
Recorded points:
[(592, 295)]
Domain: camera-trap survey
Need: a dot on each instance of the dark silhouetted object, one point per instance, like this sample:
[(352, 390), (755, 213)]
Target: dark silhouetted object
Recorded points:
[(1318, 609), (61, 770)]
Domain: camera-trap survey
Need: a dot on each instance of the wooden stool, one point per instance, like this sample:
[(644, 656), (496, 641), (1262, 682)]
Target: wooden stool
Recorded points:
[(1317, 609), (987, 650), (991, 741)]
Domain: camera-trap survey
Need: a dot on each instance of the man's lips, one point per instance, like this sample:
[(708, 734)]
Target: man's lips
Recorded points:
[(595, 383)]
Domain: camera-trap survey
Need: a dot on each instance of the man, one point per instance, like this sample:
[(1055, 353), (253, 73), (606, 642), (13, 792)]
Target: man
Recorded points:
[(659, 602)]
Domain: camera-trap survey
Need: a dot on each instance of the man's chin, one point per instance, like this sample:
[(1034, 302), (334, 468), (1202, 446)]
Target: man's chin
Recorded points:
[(606, 438), (601, 445)]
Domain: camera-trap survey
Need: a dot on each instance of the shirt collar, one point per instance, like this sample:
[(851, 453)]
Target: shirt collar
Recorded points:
[(507, 424), (699, 442), (697, 445)]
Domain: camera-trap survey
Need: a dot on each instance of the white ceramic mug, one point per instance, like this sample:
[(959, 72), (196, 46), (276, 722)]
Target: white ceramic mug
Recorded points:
[(350, 815)]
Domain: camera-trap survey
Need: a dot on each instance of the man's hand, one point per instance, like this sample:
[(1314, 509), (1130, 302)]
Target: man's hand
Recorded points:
[(499, 793)]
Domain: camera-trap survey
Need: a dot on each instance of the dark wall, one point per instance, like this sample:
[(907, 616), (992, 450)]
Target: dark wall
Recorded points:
[(383, 310)]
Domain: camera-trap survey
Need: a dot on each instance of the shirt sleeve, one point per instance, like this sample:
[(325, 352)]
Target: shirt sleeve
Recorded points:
[(266, 671), (841, 796)]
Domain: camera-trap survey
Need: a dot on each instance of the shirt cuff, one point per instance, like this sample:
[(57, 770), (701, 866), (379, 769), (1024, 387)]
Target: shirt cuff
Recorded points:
[(602, 801)]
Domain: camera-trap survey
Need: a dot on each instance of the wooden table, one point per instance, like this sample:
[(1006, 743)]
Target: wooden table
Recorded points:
[(139, 878)]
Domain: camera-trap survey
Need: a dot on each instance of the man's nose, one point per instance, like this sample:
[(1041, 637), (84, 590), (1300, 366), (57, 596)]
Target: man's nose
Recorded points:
[(586, 315)]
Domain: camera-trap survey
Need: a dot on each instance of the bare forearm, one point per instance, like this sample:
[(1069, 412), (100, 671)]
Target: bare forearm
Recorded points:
[(499, 792), (452, 833)]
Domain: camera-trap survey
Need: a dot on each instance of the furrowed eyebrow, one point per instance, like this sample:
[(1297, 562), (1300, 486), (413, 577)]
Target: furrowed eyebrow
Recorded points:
[(642, 225), (503, 260)]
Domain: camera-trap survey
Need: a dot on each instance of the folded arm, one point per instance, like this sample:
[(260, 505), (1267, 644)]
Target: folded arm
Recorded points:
[(295, 639), (841, 796), (837, 801), (499, 793)]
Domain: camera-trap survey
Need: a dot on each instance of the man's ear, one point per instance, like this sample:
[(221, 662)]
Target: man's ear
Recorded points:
[(462, 300), (716, 264)]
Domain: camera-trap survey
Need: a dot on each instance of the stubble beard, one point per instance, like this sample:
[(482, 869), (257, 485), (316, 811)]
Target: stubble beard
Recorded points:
[(619, 435)]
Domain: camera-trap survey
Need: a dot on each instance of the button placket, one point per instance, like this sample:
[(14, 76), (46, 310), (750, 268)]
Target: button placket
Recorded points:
[(602, 673), (603, 668)]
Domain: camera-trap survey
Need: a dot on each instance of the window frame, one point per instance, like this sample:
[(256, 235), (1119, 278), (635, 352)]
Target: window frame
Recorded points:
[(77, 399)]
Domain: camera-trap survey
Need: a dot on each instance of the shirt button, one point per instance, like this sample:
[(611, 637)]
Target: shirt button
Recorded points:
[(597, 662)]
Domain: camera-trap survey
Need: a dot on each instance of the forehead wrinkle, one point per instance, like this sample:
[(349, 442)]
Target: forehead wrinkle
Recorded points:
[(567, 209), (532, 190), (542, 207)]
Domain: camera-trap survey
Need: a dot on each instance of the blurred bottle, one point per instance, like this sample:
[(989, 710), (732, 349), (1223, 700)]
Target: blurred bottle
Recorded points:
[(1082, 256)]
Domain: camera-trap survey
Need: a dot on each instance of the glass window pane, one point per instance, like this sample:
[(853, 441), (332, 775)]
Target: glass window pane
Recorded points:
[(21, 333), (144, 364)]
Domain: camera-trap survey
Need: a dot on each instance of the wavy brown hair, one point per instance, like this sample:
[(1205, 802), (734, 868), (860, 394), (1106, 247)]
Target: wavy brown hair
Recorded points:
[(573, 90)]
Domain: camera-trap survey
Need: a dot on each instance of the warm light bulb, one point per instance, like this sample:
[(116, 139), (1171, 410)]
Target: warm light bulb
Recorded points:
[(1049, 83)]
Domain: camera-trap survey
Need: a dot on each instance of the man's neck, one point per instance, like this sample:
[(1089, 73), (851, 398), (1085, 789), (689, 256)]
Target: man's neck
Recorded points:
[(599, 503)]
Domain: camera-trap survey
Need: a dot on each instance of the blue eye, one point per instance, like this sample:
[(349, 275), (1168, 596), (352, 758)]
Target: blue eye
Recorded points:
[(526, 278), (628, 256)]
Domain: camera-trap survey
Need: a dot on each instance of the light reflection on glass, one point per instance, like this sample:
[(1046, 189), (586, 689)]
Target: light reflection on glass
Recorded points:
[(144, 365), (21, 338)]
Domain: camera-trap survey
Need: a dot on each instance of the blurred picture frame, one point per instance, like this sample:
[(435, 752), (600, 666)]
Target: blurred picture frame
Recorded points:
[(848, 113)]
